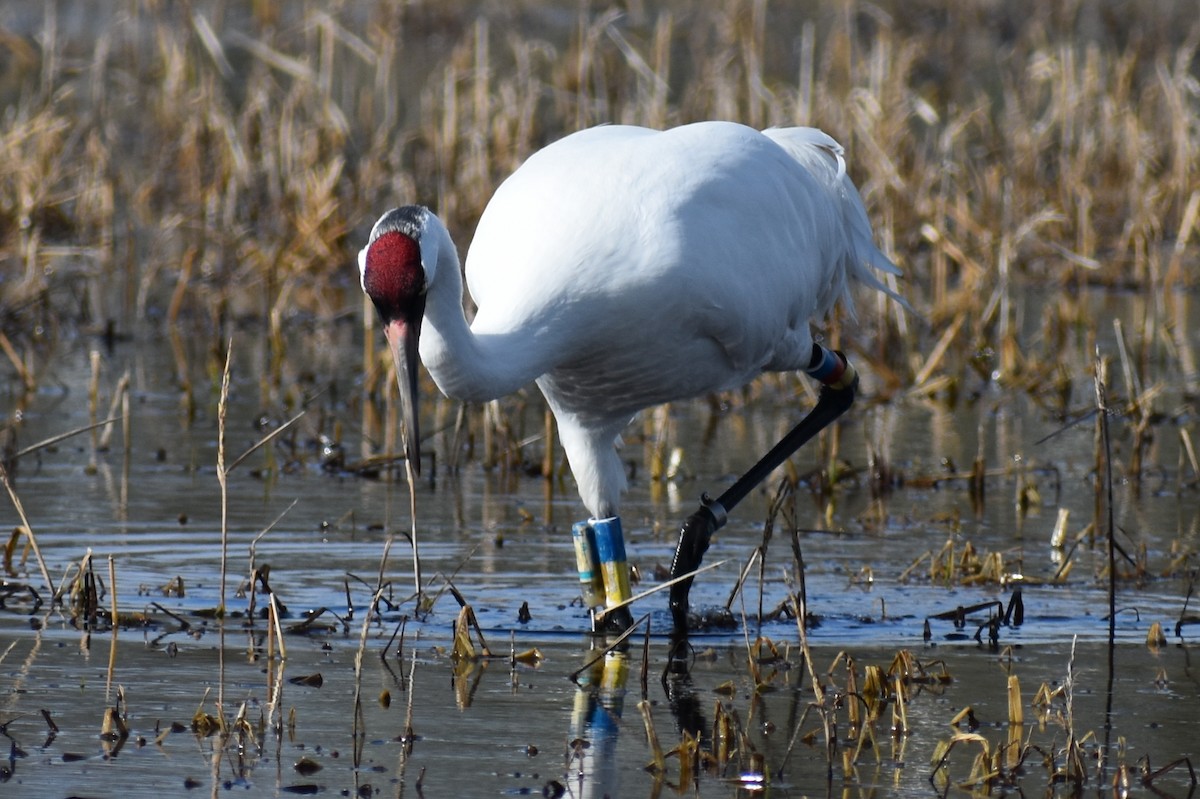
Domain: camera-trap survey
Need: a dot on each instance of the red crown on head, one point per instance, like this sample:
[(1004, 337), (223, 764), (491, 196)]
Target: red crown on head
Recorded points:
[(393, 273)]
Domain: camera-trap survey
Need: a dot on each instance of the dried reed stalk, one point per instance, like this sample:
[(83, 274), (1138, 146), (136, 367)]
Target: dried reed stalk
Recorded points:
[(27, 529)]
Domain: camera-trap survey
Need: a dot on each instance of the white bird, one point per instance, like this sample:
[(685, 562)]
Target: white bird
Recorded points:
[(620, 268)]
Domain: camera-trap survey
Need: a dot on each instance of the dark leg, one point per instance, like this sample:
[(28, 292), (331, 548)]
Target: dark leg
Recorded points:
[(837, 395)]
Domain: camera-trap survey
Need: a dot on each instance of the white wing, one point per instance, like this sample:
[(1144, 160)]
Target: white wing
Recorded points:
[(659, 265)]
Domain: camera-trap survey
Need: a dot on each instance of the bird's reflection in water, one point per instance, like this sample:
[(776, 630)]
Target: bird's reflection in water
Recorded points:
[(596, 723), (596, 719), (682, 699)]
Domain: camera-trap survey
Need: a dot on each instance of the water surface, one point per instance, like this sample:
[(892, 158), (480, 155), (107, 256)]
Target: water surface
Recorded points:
[(501, 535)]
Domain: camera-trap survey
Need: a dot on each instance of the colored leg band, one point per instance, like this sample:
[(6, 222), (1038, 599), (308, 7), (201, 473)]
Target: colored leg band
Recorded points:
[(587, 560), (825, 365), (830, 368), (610, 544)]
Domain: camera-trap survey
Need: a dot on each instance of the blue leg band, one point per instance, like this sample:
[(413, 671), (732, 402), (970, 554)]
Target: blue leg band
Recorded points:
[(610, 544)]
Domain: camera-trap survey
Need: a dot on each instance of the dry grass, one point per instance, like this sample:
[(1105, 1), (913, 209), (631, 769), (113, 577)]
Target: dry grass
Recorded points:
[(1058, 142)]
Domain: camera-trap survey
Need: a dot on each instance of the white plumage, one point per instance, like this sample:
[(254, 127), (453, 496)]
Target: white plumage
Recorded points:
[(622, 267)]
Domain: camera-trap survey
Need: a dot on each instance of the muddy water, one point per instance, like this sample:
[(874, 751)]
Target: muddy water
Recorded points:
[(499, 728)]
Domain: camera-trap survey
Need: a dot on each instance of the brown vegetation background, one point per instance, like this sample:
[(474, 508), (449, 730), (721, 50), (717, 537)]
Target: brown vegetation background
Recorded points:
[(213, 161)]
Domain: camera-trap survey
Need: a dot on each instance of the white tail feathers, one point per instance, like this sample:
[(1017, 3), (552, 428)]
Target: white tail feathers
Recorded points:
[(817, 151), (800, 141)]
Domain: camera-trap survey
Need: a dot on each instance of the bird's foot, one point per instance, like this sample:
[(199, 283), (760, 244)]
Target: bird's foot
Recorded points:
[(614, 622), (694, 538)]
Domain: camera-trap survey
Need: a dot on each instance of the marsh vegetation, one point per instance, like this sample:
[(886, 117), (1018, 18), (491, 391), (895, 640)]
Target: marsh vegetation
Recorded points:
[(184, 190)]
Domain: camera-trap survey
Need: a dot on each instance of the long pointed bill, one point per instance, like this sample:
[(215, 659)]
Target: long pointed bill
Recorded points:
[(402, 335)]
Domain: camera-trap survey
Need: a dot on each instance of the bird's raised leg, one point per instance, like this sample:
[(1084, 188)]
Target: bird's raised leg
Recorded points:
[(604, 570), (839, 381)]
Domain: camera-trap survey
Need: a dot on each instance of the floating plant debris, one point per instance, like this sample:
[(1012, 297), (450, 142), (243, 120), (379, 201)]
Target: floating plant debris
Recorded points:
[(314, 680)]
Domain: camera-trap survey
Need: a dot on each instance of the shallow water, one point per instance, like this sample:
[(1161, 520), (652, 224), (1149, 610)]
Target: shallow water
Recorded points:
[(151, 518), (504, 538), (503, 732)]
